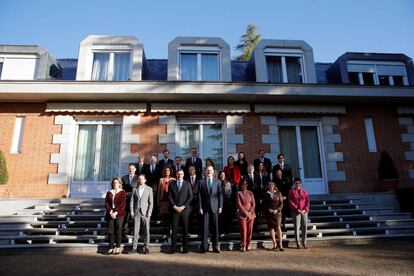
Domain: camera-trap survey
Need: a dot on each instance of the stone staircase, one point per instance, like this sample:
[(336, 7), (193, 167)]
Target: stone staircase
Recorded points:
[(80, 223)]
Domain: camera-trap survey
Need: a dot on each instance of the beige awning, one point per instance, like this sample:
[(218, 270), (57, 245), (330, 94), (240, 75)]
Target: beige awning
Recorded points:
[(199, 108), (405, 110), (96, 107), (306, 109)]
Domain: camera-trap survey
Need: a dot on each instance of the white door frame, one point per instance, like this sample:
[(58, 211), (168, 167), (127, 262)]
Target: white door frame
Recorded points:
[(99, 123), (297, 123)]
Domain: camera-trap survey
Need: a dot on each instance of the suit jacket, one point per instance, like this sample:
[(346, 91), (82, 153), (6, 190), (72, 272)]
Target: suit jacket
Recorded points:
[(299, 200), (210, 201), (127, 185), (162, 163), (236, 174), (174, 170), (252, 184), (140, 169), (283, 186), (243, 167), (245, 203), (267, 164), (142, 205), (153, 178), (119, 201), (198, 164), (286, 172), (182, 197)]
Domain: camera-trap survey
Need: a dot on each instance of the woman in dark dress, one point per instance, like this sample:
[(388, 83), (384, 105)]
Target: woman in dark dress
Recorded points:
[(115, 202), (272, 209), (283, 185), (226, 216), (242, 163)]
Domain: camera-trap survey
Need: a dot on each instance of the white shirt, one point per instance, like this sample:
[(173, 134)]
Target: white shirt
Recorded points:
[(141, 190)]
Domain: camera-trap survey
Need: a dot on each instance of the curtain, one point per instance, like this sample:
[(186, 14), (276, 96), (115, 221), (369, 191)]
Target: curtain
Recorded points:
[(122, 67), (110, 149), (294, 71), (188, 67), (274, 70), (289, 147), (310, 152), (209, 67), (85, 154), (189, 138), (213, 144), (100, 66)]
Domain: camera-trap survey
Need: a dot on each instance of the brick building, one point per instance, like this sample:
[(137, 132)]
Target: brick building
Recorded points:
[(68, 126)]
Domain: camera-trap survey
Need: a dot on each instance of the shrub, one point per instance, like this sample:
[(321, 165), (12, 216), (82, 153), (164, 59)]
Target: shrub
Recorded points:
[(386, 167), (4, 175)]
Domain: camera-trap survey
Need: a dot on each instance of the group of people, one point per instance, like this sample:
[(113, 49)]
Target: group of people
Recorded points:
[(178, 193)]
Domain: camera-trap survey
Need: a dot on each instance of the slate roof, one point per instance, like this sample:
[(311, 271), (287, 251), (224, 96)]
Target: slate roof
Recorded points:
[(68, 66)]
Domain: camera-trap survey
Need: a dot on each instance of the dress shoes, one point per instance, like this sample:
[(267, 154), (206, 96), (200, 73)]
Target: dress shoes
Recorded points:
[(185, 250), (305, 246), (216, 250), (145, 251)]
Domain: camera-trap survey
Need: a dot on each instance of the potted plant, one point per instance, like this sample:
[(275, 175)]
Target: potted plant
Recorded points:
[(4, 175), (388, 174)]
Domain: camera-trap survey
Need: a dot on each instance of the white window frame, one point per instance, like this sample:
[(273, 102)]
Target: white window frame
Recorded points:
[(99, 123), (17, 140), (369, 130), (2, 67), (372, 67), (200, 121), (283, 53), (111, 50), (199, 51)]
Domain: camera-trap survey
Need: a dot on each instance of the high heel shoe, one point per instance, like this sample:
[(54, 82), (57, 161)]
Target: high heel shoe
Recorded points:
[(281, 249), (242, 249)]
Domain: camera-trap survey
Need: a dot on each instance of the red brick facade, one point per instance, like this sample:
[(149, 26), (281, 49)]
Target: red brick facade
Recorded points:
[(29, 170)]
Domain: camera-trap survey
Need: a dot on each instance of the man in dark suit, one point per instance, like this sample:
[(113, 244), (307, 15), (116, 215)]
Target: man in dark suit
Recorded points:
[(285, 168), (210, 197), (129, 181), (177, 166), (252, 178), (140, 165), (194, 161), (195, 215), (180, 195), (166, 161), (262, 159)]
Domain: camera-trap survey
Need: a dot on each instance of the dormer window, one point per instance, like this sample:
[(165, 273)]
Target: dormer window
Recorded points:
[(111, 66), (385, 73), (284, 68), (199, 66), (110, 58)]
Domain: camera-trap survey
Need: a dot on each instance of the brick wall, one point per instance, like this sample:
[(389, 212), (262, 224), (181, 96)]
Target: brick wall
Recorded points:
[(361, 166), (28, 171)]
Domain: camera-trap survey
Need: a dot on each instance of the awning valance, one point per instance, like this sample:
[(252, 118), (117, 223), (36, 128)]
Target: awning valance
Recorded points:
[(96, 107), (405, 110), (306, 109), (199, 108)]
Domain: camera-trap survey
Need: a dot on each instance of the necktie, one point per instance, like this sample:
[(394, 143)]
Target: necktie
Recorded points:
[(130, 178), (152, 168), (179, 186), (193, 160), (209, 185), (192, 180)]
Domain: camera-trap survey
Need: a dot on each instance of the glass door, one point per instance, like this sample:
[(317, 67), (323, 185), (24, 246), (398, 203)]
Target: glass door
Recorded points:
[(206, 138), (302, 148), (96, 160)]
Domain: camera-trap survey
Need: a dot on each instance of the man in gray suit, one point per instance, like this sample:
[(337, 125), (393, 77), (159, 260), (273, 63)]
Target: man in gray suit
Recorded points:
[(210, 196), (141, 210)]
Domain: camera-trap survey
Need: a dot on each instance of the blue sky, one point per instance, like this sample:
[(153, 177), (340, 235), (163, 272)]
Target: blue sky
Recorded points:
[(331, 27)]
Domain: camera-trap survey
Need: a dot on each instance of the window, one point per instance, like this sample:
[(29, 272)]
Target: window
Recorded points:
[(199, 66), (385, 73), (111, 66), (284, 69), (16, 146), (1, 68), (206, 137), (369, 129)]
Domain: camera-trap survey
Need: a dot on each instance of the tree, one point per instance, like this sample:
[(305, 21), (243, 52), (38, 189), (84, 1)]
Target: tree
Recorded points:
[(247, 42), (4, 176)]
